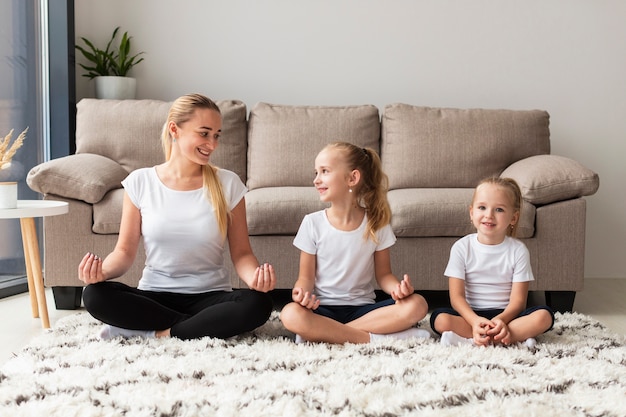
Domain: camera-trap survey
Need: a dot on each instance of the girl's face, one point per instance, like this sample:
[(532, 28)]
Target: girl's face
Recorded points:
[(198, 137), (333, 179), (492, 213)]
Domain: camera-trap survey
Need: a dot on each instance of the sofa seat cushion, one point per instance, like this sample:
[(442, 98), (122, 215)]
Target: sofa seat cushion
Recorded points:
[(442, 212), (280, 210), (448, 148), (87, 177), (283, 141), (270, 211)]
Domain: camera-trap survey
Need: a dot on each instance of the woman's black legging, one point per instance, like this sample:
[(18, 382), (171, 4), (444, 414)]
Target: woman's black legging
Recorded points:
[(219, 314)]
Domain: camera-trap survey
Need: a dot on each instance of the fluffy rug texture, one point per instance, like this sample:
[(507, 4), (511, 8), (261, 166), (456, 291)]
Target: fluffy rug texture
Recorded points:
[(577, 369)]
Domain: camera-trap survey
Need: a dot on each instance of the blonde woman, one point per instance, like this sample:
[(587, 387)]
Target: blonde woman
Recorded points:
[(186, 210)]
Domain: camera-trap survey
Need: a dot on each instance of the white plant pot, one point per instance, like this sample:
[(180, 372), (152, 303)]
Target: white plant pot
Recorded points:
[(116, 88), (8, 195)]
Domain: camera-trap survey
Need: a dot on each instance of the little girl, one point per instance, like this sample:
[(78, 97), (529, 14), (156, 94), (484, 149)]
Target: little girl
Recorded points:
[(489, 273), (342, 249)]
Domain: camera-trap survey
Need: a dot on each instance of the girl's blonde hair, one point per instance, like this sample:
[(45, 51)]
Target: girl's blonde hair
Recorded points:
[(181, 111), (371, 191), (515, 193)]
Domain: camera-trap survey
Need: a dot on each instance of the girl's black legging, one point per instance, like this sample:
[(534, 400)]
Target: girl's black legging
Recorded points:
[(219, 314)]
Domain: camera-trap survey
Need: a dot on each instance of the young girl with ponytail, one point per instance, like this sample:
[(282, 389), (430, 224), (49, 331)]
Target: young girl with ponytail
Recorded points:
[(343, 249)]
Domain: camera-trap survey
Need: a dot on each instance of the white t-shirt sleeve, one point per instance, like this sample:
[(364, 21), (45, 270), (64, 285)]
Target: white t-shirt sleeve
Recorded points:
[(522, 271), (456, 263), (305, 238), (234, 190)]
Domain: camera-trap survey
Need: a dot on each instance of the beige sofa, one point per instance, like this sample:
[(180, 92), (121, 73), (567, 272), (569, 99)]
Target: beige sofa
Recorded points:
[(433, 156)]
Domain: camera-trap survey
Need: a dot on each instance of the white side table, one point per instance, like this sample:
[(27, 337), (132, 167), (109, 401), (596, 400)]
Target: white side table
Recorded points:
[(26, 211)]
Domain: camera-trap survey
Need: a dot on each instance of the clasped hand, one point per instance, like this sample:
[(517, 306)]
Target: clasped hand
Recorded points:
[(486, 332)]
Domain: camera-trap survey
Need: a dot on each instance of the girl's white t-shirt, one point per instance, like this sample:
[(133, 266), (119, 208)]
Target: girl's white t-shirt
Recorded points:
[(344, 259), (184, 248), (489, 271)]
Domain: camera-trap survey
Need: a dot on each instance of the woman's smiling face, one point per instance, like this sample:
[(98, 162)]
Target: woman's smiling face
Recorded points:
[(199, 136)]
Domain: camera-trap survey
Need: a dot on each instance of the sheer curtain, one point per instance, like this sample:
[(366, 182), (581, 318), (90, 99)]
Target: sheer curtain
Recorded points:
[(23, 103)]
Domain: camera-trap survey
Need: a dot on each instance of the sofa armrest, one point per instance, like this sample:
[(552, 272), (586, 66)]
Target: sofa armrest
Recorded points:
[(86, 177), (546, 179)]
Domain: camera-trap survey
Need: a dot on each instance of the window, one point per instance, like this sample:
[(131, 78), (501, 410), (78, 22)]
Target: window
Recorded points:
[(23, 98)]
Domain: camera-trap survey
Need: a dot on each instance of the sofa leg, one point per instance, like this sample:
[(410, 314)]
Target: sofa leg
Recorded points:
[(561, 301), (67, 298)]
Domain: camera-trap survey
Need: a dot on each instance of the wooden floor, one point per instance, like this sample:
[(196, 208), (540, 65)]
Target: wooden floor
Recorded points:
[(603, 299)]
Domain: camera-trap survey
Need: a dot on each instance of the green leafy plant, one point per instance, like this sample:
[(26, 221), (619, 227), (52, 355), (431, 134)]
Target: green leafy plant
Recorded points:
[(112, 61)]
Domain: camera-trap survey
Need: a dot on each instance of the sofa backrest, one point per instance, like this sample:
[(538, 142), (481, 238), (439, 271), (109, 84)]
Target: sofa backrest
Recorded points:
[(425, 147), (126, 131), (283, 141), (129, 132)]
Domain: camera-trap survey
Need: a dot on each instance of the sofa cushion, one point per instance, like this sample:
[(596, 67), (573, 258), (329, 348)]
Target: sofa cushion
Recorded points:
[(270, 211), (280, 210), (87, 177), (545, 179), (233, 144), (424, 147), (129, 132), (442, 212), (126, 131), (283, 141)]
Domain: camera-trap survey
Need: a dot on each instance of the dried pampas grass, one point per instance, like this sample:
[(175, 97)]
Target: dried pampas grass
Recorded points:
[(6, 152)]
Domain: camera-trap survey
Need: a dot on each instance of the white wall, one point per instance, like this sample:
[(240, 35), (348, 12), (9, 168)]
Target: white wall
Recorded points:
[(565, 56)]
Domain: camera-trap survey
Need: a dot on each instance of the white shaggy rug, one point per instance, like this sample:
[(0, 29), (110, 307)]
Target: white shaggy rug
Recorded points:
[(577, 369)]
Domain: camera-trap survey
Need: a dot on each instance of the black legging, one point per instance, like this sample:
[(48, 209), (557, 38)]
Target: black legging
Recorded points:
[(219, 314)]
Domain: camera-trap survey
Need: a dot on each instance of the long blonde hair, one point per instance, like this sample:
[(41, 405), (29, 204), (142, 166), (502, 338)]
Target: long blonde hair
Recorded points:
[(181, 111), (515, 193), (371, 191)]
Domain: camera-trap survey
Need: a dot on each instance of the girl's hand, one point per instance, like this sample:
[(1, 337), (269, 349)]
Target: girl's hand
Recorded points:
[(90, 269), (264, 278), (305, 298), (500, 332), (480, 331), (403, 289)]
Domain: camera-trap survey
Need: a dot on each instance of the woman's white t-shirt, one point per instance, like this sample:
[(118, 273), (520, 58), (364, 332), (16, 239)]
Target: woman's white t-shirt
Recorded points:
[(184, 248), (489, 271), (344, 259)]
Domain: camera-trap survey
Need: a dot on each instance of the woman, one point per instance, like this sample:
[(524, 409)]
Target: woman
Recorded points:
[(185, 209)]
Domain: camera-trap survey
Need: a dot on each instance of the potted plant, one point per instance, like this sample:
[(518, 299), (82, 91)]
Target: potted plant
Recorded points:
[(110, 67)]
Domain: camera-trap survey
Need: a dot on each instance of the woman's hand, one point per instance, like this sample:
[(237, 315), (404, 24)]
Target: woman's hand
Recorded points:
[(264, 278), (90, 269), (305, 298), (403, 289)]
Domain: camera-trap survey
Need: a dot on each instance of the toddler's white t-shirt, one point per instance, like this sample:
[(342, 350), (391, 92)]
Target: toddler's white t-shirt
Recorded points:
[(489, 271)]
